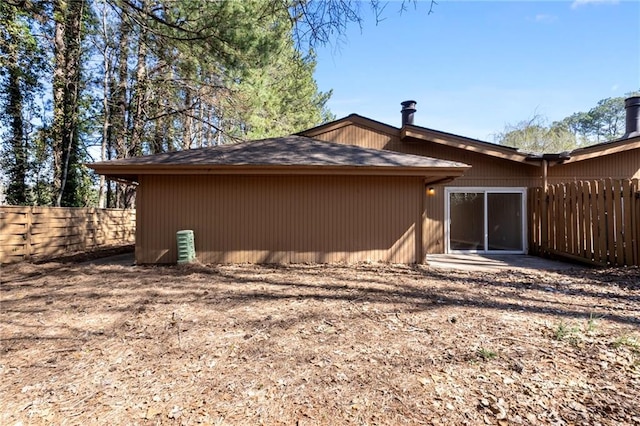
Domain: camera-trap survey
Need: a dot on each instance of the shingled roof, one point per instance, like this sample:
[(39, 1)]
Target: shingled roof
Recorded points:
[(289, 154)]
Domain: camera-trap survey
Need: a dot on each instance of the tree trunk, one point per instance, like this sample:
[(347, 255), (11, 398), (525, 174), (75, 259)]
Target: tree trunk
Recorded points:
[(188, 120), (140, 94), (119, 137), (66, 94), (57, 130), (106, 123), (18, 190)]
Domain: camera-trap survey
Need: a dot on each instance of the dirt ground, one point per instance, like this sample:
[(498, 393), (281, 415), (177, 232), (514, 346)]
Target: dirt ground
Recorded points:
[(315, 344)]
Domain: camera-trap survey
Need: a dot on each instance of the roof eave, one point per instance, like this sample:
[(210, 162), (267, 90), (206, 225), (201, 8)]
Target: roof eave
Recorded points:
[(467, 144), (602, 149), (133, 173)]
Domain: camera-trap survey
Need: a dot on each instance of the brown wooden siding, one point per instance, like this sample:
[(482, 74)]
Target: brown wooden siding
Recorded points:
[(281, 218), (485, 172), (622, 165), (433, 225), (360, 136)]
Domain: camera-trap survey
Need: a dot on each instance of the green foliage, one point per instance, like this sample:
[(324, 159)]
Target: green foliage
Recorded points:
[(486, 354), (137, 77), (566, 332), (71, 19), (214, 72), (626, 341), (536, 136), (282, 97), (561, 331), (22, 63), (632, 345), (603, 122), (592, 322)]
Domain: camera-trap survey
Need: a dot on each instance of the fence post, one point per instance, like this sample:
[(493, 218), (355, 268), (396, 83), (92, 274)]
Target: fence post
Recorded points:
[(543, 219), (552, 229), (28, 239), (587, 219), (627, 209)]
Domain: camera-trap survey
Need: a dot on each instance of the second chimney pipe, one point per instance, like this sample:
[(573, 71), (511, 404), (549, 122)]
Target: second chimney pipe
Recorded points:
[(632, 107), (408, 109)]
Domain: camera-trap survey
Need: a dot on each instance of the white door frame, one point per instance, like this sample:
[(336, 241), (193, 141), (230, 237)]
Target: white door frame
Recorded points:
[(485, 190)]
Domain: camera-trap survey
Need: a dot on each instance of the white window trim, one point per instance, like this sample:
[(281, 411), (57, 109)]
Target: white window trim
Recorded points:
[(485, 190)]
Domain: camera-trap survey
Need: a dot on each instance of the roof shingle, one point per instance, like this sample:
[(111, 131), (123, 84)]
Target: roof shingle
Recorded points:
[(285, 151)]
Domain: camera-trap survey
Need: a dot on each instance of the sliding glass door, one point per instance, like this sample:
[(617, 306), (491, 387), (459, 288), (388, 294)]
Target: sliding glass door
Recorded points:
[(480, 220)]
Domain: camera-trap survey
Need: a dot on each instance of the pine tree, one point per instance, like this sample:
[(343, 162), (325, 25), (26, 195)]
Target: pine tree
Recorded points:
[(21, 67)]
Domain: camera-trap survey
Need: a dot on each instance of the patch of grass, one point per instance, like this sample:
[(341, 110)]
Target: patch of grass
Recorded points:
[(629, 342), (486, 354), (566, 332), (561, 331), (592, 322)]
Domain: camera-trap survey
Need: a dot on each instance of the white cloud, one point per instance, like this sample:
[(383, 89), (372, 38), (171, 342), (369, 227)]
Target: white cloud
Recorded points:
[(577, 3), (545, 19), (614, 88)]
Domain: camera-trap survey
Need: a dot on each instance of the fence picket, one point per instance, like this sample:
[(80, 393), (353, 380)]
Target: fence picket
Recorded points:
[(571, 220), (587, 219), (580, 234), (619, 234), (626, 198), (597, 221), (602, 222), (551, 214), (610, 218), (561, 217)]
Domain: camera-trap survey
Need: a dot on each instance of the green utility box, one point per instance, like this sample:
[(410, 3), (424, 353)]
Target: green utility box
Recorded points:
[(186, 246)]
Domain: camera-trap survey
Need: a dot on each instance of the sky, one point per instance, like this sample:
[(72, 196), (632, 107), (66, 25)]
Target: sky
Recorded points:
[(475, 66)]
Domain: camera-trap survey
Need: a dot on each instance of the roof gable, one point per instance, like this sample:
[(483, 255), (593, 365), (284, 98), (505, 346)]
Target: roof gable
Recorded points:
[(411, 134), (352, 119), (414, 134)]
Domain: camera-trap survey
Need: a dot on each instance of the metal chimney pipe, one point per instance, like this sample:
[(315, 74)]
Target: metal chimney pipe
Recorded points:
[(408, 109), (632, 107)]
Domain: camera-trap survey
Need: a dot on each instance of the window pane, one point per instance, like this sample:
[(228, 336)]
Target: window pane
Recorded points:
[(504, 225), (466, 212)]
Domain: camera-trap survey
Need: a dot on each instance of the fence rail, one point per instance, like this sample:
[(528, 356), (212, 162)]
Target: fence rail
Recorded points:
[(38, 232), (595, 221)]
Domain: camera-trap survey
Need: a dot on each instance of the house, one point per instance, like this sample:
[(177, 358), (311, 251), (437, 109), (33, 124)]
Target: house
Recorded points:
[(485, 209), (289, 199), (353, 190)]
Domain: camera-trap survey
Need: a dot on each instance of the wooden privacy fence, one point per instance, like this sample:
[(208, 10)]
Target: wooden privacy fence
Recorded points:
[(38, 232), (595, 221)]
